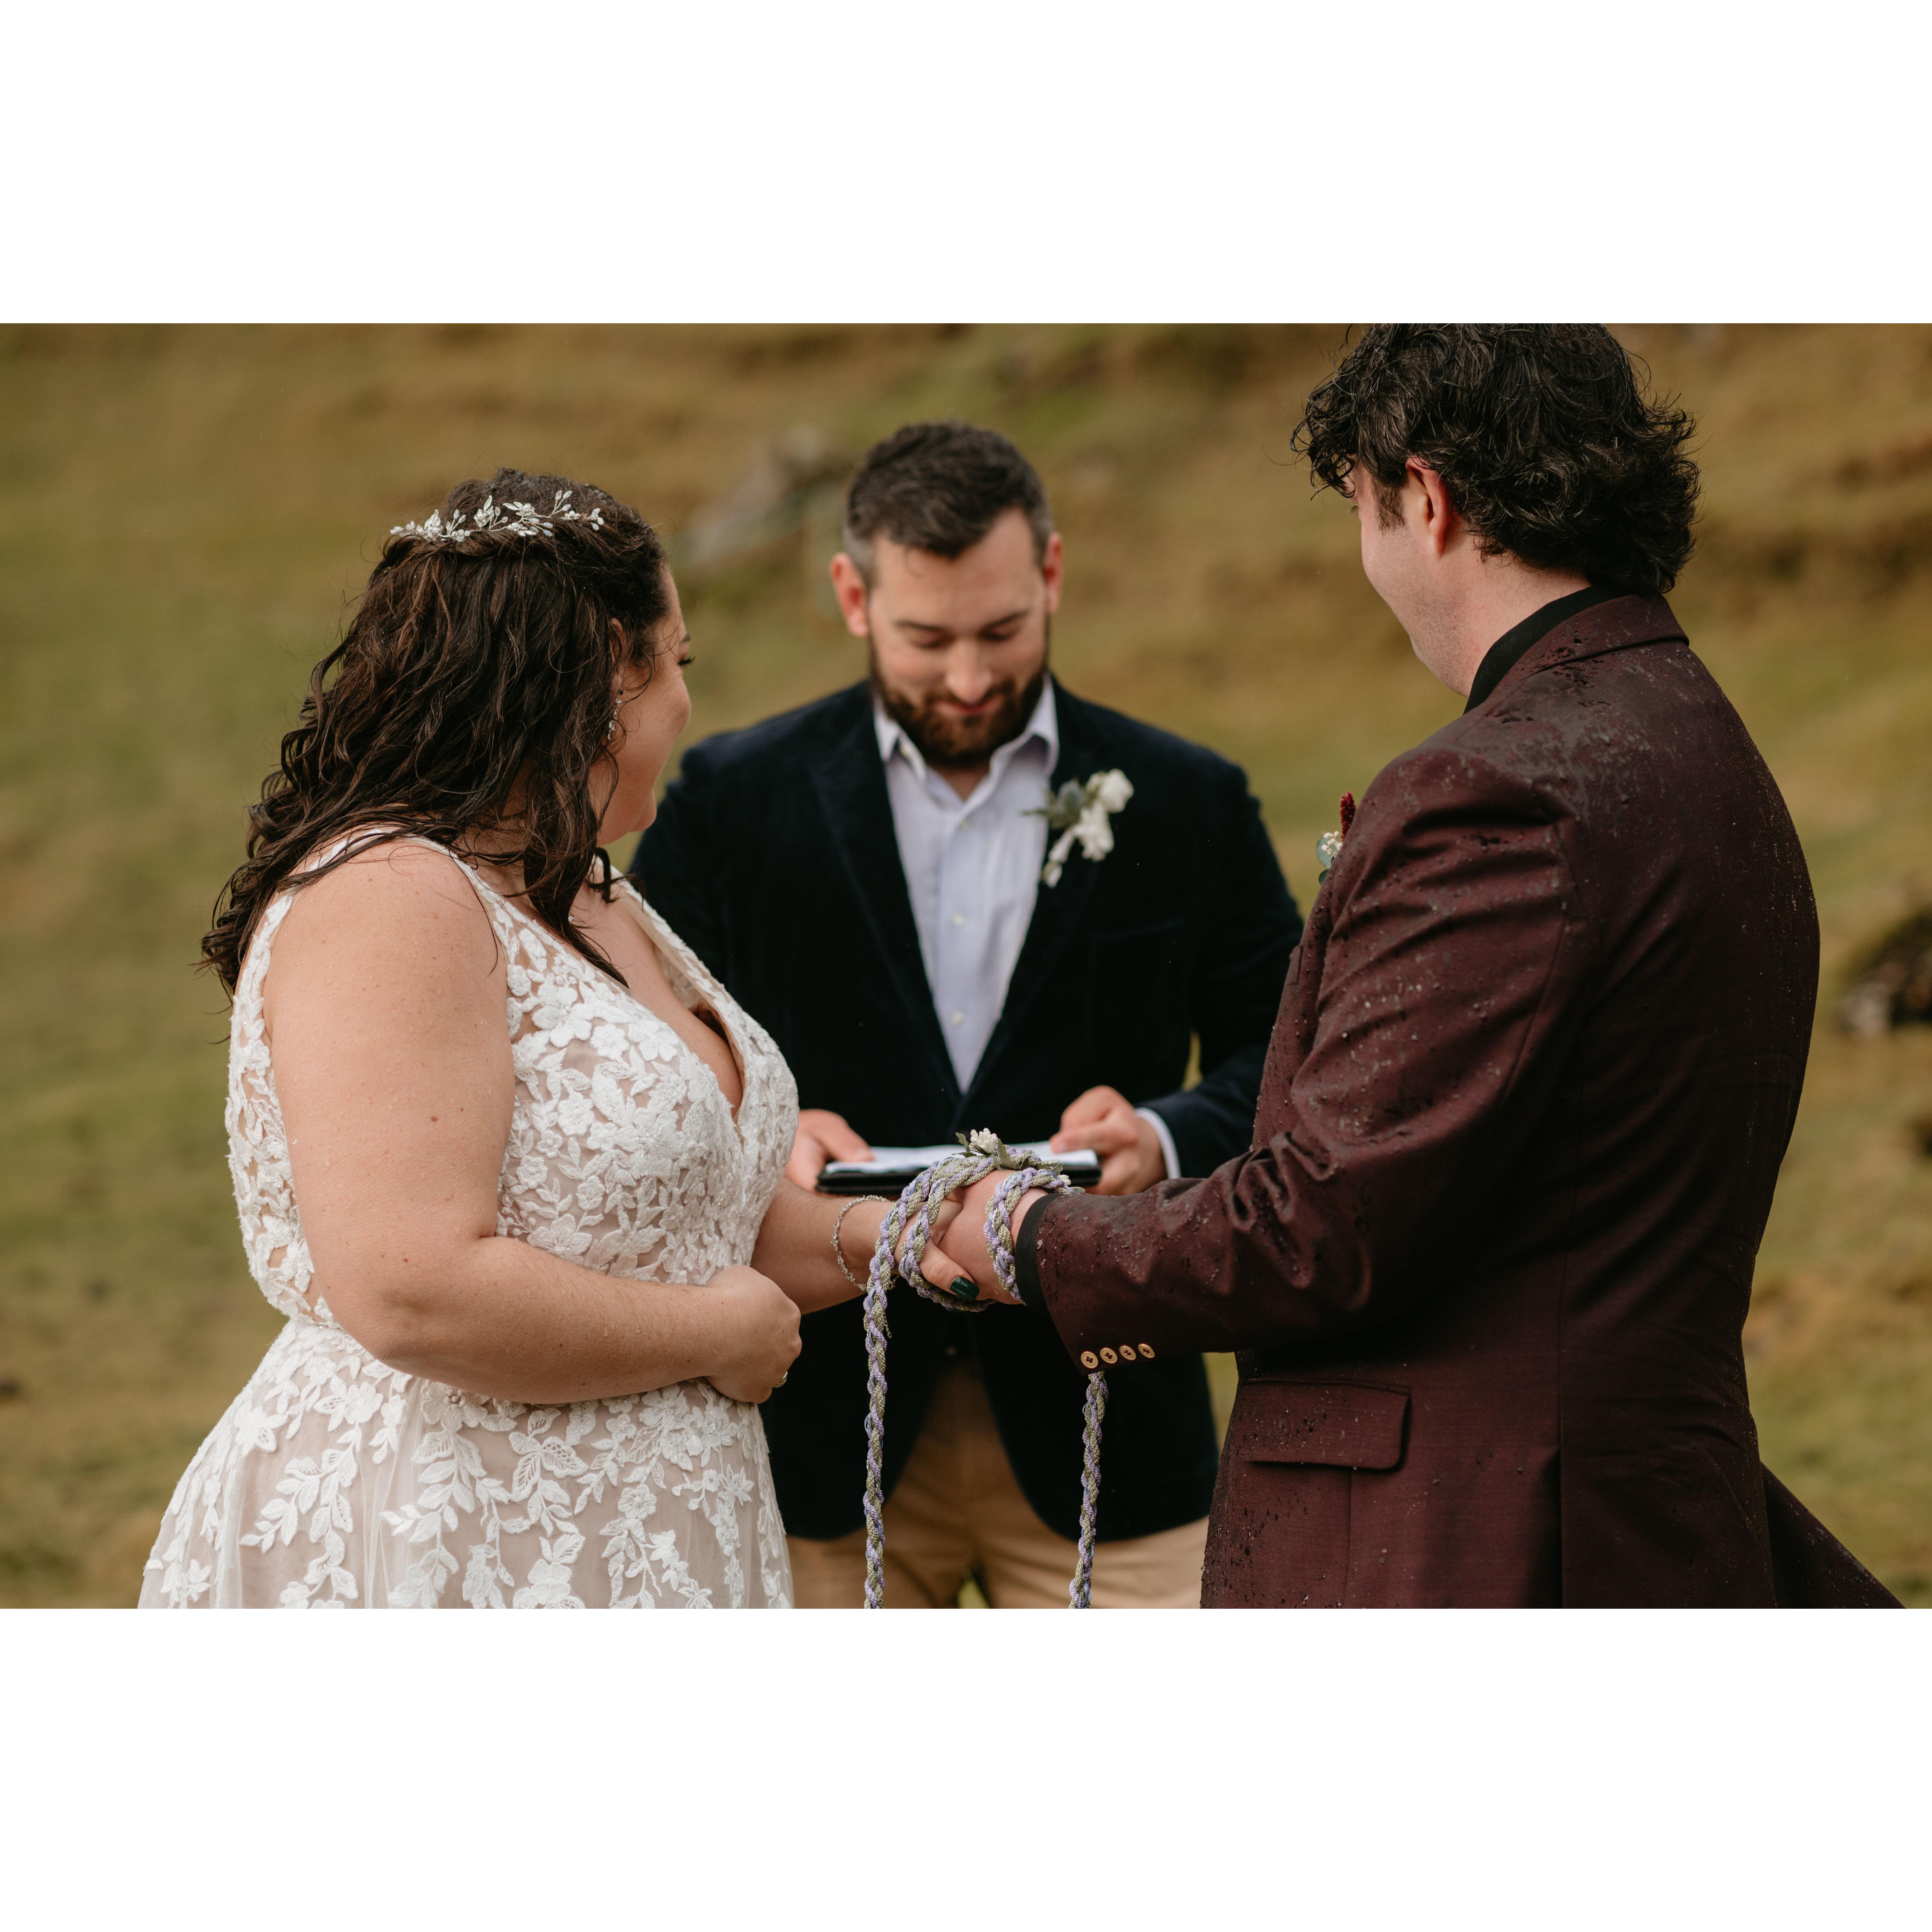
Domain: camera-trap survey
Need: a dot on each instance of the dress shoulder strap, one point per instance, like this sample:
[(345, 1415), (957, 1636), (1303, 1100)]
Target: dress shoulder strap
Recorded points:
[(255, 962)]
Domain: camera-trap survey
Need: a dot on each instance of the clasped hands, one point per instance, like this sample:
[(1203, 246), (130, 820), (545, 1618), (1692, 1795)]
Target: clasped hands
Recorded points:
[(963, 1240), (957, 1258), (1102, 1119)]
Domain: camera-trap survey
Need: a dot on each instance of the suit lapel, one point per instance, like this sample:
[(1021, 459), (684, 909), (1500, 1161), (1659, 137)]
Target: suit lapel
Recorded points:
[(1058, 911), (850, 780)]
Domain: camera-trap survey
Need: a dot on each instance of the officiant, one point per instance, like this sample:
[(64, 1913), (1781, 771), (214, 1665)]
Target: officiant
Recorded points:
[(875, 878)]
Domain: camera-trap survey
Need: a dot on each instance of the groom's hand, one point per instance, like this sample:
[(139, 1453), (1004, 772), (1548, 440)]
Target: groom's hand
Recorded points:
[(1104, 1119), (965, 1241), (821, 1137)]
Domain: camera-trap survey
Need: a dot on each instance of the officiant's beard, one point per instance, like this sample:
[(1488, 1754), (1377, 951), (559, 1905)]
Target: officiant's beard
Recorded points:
[(944, 741)]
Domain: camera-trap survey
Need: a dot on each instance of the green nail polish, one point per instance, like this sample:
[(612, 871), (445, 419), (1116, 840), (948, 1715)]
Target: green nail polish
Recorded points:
[(965, 1289)]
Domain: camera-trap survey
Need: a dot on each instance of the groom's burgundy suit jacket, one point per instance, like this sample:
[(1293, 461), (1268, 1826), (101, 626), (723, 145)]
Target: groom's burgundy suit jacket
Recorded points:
[(1488, 1259)]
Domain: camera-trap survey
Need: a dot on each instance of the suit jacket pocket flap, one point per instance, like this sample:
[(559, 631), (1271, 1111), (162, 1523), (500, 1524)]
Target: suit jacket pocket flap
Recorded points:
[(1346, 1425)]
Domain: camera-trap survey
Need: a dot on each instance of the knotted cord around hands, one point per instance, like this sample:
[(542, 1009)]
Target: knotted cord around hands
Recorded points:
[(911, 1216)]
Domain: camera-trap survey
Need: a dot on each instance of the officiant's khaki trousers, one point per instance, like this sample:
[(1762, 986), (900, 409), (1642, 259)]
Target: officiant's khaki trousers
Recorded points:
[(957, 1511)]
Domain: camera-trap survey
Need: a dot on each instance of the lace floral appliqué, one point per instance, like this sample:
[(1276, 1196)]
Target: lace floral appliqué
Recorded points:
[(335, 1481)]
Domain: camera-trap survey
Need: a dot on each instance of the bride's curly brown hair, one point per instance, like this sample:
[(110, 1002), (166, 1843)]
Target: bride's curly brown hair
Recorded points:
[(475, 670)]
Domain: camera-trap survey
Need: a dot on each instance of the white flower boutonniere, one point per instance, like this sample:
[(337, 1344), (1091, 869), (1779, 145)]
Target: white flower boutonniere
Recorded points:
[(1328, 847), (1082, 811)]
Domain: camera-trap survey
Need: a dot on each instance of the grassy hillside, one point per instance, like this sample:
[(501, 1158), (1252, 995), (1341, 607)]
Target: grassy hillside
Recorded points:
[(183, 514)]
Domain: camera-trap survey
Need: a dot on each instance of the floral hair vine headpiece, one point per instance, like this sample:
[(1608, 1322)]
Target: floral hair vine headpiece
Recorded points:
[(517, 519)]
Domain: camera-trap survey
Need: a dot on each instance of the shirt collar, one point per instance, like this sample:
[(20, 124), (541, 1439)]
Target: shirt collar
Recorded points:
[(1043, 727), (1513, 645)]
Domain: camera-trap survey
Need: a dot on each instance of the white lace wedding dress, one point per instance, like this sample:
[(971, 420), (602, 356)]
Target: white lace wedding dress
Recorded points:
[(333, 1480)]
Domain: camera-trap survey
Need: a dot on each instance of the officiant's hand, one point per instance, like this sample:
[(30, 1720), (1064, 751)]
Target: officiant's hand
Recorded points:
[(965, 1241), (1104, 1119), (821, 1136)]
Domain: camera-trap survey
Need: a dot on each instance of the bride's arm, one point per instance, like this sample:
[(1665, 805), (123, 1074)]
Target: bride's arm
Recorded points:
[(795, 1246), (385, 999)]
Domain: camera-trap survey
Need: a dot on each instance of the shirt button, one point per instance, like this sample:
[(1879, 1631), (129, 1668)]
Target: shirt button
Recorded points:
[(959, 919), (958, 1019)]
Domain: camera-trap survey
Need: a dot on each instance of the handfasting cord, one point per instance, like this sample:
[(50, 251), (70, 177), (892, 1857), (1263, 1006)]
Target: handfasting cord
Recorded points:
[(981, 1154)]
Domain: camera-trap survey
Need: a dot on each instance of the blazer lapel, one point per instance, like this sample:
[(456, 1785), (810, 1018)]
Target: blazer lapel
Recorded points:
[(850, 780), (1057, 911)]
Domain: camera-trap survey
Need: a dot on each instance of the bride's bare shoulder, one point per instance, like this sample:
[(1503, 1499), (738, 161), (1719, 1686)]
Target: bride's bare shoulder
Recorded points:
[(404, 909)]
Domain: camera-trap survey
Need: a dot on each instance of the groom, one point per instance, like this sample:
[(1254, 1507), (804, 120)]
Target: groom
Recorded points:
[(865, 876), (1488, 1259)]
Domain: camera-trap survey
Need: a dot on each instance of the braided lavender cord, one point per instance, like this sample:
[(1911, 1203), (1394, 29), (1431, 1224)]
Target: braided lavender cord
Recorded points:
[(1080, 1596), (911, 1215), (999, 1239)]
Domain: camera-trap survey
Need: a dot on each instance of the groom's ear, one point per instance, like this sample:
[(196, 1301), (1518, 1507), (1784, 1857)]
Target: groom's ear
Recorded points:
[(1440, 520), (848, 586)]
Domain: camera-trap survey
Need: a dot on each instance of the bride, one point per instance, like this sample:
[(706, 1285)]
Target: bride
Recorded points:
[(507, 1156)]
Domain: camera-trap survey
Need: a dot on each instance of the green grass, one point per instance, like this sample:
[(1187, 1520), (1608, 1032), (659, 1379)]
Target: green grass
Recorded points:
[(183, 514)]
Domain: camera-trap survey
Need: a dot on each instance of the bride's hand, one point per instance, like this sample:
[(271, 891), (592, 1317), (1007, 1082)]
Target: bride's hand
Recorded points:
[(865, 1221), (758, 1334)]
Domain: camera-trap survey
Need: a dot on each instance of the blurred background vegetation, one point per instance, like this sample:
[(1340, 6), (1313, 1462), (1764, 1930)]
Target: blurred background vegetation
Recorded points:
[(185, 515)]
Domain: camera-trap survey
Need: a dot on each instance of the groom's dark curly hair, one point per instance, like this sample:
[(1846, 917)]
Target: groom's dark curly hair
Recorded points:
[(1543, 435)]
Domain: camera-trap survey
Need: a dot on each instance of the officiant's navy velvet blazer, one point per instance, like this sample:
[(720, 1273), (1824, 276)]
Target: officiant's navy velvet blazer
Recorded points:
[(1488, 1260), (773, 856)]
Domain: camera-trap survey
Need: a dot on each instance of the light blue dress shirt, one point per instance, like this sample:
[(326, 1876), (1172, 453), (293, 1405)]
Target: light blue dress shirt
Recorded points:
[(972, 867)]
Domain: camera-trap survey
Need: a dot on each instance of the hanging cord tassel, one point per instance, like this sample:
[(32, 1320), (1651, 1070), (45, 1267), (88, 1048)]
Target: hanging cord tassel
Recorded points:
[(876, 1332), (1080, 1596), (911, 1215), (999, 1239)]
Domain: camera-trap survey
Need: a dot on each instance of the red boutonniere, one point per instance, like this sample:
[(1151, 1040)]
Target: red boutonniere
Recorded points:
[(1328, 847)]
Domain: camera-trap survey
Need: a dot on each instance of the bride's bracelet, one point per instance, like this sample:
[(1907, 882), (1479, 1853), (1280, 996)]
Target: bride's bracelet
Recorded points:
[(838, 1226)]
